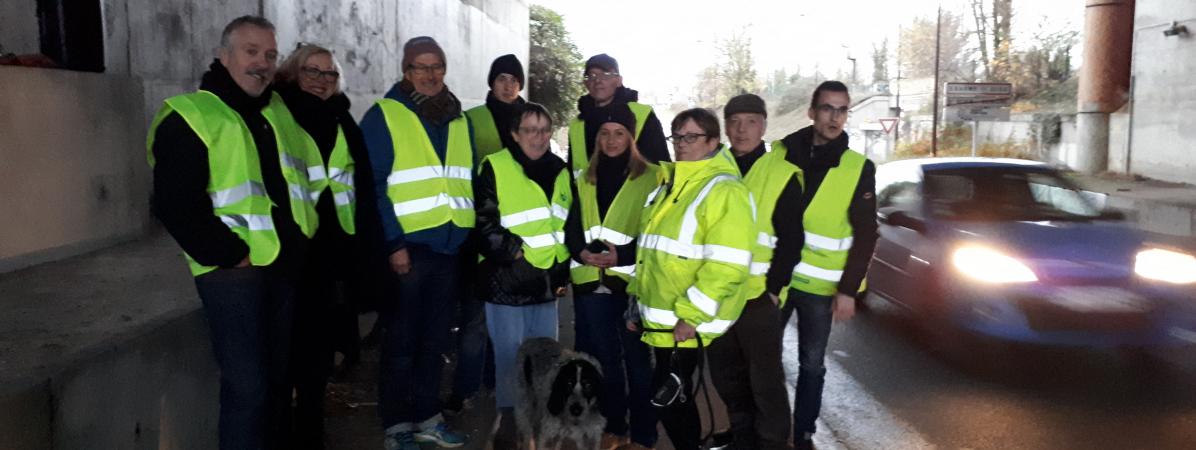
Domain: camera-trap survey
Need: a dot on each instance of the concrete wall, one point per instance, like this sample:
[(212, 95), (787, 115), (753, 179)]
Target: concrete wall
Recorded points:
[(73, 163), (1164, 97), (160, 390), (170, 43), (1119, 140), (18, 27), (72, 147)]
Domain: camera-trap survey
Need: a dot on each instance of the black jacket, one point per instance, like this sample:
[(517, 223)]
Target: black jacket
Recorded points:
[(503, 113), (612, 174), (815, 161), (651, 142), (181, 173), (502, 279), (333, 251)]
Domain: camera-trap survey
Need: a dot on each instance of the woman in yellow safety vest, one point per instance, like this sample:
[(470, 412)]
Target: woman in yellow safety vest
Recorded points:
[(603, 224), (337, 261), (692, 262), (522, 200)]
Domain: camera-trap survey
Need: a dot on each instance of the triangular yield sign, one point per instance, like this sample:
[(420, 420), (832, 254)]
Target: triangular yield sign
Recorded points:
[(888, 124)]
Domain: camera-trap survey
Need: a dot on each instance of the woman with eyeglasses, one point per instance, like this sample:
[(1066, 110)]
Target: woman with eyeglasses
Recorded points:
[(522, 199), (601, 232), (310, 85), (693, 259)]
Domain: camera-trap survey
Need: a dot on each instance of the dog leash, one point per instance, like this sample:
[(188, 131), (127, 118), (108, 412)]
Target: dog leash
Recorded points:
[(701, 383)]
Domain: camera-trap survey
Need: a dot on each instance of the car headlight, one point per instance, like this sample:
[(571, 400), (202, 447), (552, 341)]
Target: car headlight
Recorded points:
[(990, 266), (1166, 265)]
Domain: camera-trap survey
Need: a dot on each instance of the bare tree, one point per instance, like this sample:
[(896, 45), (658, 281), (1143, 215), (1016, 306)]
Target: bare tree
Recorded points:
[(993, 20)]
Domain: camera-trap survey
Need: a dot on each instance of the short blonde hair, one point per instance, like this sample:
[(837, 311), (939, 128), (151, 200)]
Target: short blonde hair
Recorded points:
[(288, 72)]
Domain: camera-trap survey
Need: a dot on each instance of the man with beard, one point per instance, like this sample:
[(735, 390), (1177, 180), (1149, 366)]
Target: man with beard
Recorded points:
[(235, 182)]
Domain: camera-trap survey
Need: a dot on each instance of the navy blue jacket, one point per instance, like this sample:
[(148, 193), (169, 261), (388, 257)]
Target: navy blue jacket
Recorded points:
[(445, 239)]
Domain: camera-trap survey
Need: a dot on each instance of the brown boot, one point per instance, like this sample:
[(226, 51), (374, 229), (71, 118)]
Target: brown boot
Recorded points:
[(612, 441)]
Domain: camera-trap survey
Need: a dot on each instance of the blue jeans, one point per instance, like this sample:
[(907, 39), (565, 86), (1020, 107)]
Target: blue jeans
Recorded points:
[(475, 358), (249, 315), (509, 326), (415, 336), (813, 333), (626, 363)]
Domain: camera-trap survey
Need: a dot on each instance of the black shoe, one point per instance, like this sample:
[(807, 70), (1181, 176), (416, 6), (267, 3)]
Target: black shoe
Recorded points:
[(804, 444)]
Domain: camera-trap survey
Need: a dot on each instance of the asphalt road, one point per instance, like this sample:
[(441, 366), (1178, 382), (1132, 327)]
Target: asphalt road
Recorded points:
[(892, 386), (917, 392)]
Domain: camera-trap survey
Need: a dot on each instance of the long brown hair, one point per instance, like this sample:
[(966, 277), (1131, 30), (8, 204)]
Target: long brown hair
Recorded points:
[(636, 165)]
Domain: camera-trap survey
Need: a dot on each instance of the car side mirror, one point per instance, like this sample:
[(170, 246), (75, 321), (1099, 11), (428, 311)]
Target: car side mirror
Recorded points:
[(902, 219)]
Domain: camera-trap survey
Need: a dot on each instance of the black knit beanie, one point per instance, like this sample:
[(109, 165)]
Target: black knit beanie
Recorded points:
[(508, 64)]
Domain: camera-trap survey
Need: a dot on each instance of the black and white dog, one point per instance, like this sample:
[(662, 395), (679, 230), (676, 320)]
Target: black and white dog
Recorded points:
[(558, 397)]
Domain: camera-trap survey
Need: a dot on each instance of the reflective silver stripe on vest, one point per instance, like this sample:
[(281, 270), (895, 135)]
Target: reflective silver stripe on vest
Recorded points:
[(316, 173), (689, 222), (726, 254), (668, 319), (254, 222), (428, 173), (298, 192), (827, 243), (560, 212), (625, 270), (577, 174), (341, 176), (808, 270), (760, 268), (766, 240), (544, 240), (343, 198), (670, 246), (522, 217), (226, 197), (702, 301), (294, 163), (607, 234), (420, 205)]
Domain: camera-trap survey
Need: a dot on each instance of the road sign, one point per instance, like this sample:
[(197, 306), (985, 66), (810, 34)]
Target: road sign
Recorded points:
[(888, 123), (978, 113), (979, 94)]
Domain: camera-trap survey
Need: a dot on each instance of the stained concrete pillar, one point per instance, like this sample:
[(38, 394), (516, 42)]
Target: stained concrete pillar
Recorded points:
[(1104, 77)]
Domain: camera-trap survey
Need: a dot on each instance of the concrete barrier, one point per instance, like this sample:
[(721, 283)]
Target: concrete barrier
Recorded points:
[(116, 358)]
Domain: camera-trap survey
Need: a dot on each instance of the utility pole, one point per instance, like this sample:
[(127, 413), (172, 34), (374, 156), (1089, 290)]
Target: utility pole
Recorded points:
[(934, 127), (849, 58), (897, 130)]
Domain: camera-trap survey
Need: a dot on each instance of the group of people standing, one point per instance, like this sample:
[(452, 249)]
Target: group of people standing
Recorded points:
[(282, 204)]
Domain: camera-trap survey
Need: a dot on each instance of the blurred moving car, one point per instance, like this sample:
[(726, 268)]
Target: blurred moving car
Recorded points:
[(1011, 250)]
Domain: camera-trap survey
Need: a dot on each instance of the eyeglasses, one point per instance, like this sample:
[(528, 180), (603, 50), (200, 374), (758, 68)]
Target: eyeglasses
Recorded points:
[(432, 69), (313, 73), (535, 131), (592, 77), (686, 138), (832, 111)]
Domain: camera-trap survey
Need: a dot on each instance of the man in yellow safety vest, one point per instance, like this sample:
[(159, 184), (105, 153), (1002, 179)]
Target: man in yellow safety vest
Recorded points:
[(422, 158), (824, 256), (236, 180)]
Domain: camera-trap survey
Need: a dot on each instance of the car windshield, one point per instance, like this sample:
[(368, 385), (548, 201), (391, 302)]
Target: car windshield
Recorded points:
[(992, 194)]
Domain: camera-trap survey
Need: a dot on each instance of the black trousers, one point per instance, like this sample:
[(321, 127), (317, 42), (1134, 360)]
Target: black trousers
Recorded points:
[(745, 366), (680, 419)]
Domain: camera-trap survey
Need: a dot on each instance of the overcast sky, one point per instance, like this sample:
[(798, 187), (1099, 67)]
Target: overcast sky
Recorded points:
[(661, 45)]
